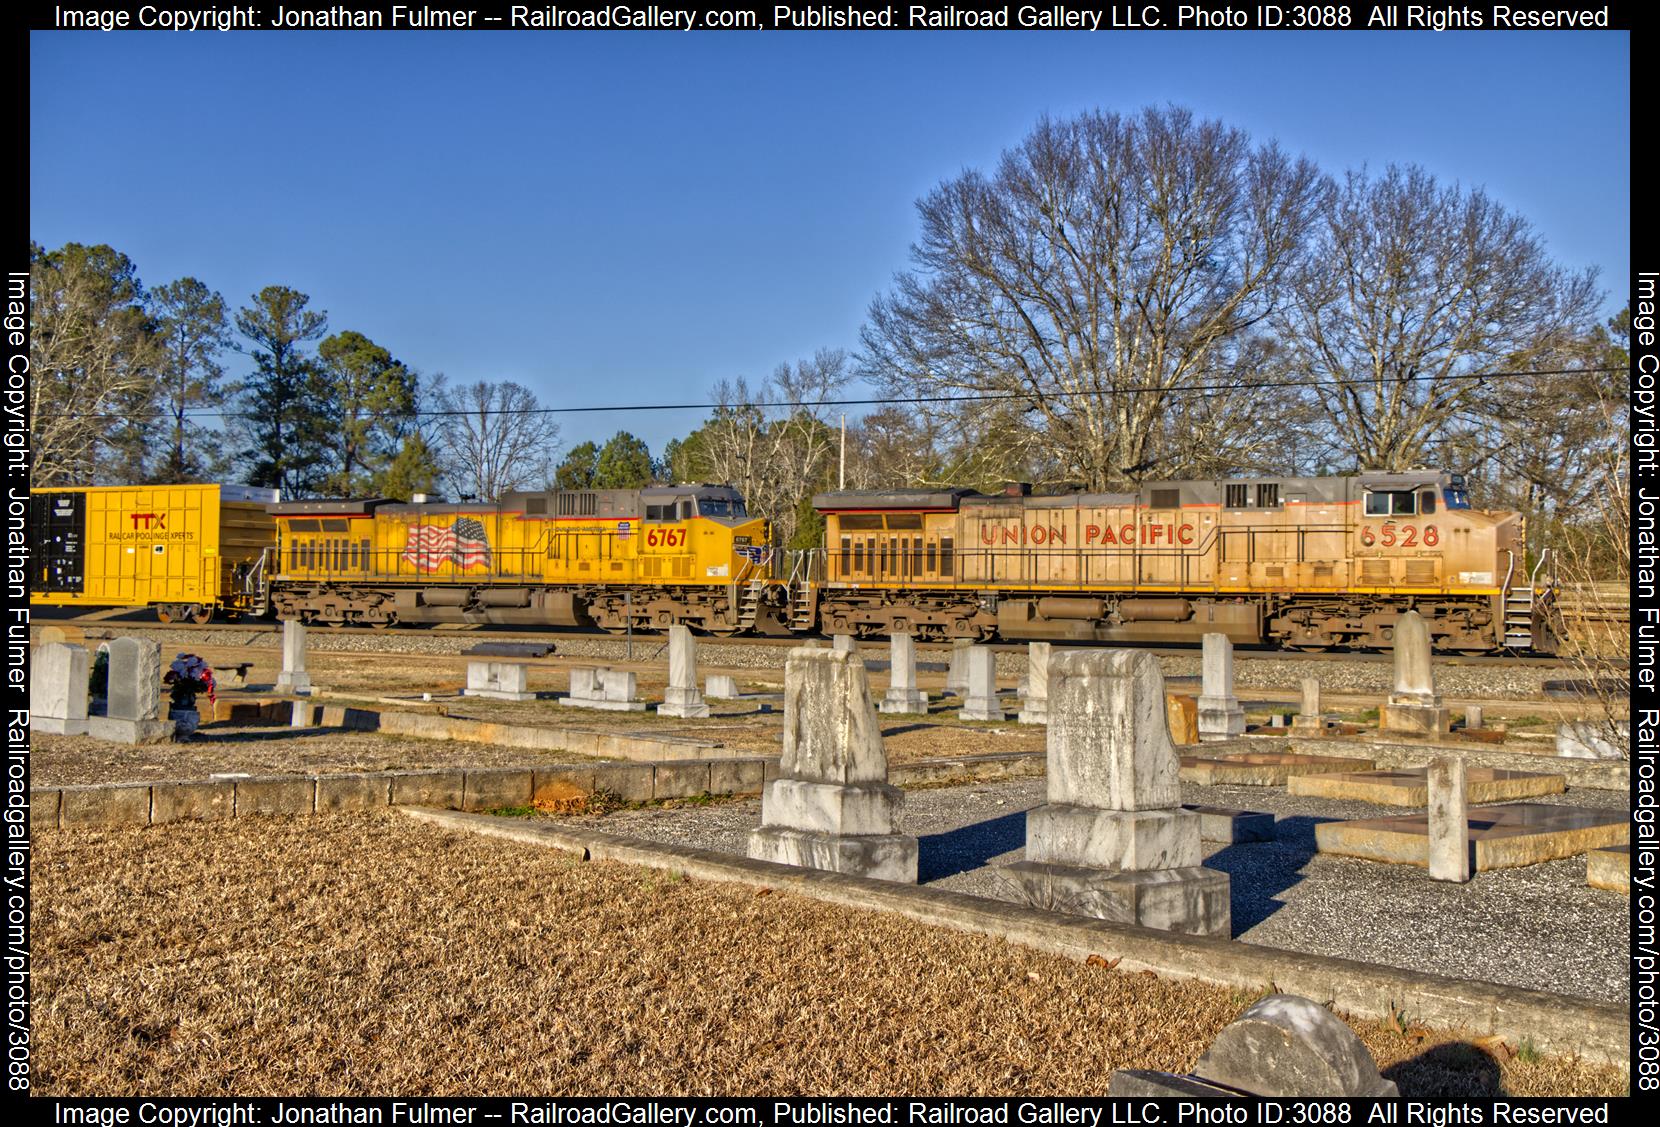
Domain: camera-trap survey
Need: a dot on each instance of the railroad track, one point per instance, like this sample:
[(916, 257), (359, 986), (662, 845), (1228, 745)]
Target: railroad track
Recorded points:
[(649, 641)]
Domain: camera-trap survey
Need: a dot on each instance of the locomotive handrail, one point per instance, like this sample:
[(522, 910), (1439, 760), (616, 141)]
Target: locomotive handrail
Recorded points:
[(1545, 555), (1509, 571)]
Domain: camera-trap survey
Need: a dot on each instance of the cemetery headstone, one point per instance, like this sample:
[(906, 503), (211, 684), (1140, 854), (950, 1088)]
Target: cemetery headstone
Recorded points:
[(498, 680), (903, 695), (831, 806), (293, 677), (1449, 821), (1414, 707), (132, 697), (1310, 718), (1034, 703), (57, 689), (682, 698), (1220, 714), (1113, 841), (980, 700)]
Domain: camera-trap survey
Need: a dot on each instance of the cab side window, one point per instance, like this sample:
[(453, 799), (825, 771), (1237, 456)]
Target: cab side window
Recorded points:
[(1395, 503)]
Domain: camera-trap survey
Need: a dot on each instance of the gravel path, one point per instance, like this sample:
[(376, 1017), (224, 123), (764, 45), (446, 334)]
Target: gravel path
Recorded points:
[(1539, 927)]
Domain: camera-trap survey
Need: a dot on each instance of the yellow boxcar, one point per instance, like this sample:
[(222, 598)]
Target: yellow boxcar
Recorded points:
[(187, 550)]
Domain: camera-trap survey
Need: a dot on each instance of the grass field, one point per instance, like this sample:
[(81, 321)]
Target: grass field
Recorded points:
[(372, 954)]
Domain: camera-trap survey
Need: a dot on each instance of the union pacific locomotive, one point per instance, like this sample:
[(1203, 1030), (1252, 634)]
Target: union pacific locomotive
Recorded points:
[(1307, 563), (1310, 563)]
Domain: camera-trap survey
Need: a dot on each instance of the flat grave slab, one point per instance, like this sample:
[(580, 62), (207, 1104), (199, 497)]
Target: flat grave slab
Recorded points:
[(1502, 837), (510, 649), (1263, 769), (1409, 786), (1609, 868)]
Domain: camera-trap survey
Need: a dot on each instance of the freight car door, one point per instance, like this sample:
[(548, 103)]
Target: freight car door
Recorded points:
[(57, 522)]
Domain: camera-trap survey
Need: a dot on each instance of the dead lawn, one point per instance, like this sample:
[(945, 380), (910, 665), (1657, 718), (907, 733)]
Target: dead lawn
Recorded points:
[(373, 954), (57, 761)]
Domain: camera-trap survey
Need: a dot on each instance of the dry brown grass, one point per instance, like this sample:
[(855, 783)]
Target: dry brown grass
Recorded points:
[(265, 750), (373, 954)]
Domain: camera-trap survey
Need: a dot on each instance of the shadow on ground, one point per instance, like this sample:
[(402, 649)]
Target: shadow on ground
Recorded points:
[(1259, 871), (1454, 1070), (969, 847)]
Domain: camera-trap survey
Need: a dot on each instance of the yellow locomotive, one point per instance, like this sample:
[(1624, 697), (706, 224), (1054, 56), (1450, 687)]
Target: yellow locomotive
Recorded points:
[(653, 557), (1310, 563), (1307, 563)]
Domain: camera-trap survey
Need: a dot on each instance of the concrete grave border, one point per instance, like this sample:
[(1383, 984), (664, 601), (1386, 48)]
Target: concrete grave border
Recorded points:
[(108, 805), (1555, 1024)]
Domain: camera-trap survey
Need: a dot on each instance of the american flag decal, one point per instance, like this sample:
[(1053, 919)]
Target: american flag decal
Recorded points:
[(466, 544)]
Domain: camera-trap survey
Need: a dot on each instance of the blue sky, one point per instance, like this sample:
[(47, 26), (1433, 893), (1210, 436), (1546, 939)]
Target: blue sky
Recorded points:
[(615, 218)]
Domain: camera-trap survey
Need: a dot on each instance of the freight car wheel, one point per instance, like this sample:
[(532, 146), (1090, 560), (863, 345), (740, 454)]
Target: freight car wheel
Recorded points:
[(164, 612), (200, 615)]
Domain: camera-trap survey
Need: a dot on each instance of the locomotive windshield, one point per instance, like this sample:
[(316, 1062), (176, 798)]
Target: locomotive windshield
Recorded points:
[(720, 507)]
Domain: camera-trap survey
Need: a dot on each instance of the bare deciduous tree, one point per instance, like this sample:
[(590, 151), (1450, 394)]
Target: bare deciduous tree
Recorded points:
[(1595, 571), (494, 439), (1413, 288), (775, 456), (1108, 261)]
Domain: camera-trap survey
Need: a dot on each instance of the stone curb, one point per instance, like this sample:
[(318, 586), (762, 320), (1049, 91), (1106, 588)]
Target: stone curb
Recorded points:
[(1591, 774), (1556, 1024), (105, 805)]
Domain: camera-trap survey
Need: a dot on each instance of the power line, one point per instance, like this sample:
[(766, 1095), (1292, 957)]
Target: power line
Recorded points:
[(917, 400)]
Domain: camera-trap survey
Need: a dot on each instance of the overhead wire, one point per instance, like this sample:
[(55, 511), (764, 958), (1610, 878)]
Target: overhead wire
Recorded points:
[(916, 400)]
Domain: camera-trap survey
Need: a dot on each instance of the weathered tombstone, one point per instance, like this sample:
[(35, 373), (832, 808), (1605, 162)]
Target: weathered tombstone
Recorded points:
[(621, 692), (1276, 720), (587, 687), (721, 686), (1285, 1045), (132, 699), (1113, 840), (49, 634), (682, 698), (498, 680), (1414, 707), (831, 806), (57, 689), (956, 673), (1310, 718), (1449, 821), (1034, 702), (844, 643), (300, 714), (293, 678), (1472, 717), (1282, 1046), (903, 695), (588, 682), (1220, 714), (980, 700)]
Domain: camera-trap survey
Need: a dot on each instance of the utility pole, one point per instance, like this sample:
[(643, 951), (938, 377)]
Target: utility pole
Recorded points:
[(841, 472)]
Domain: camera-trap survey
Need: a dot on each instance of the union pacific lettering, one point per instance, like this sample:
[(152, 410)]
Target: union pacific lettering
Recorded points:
[(1175, 535)]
